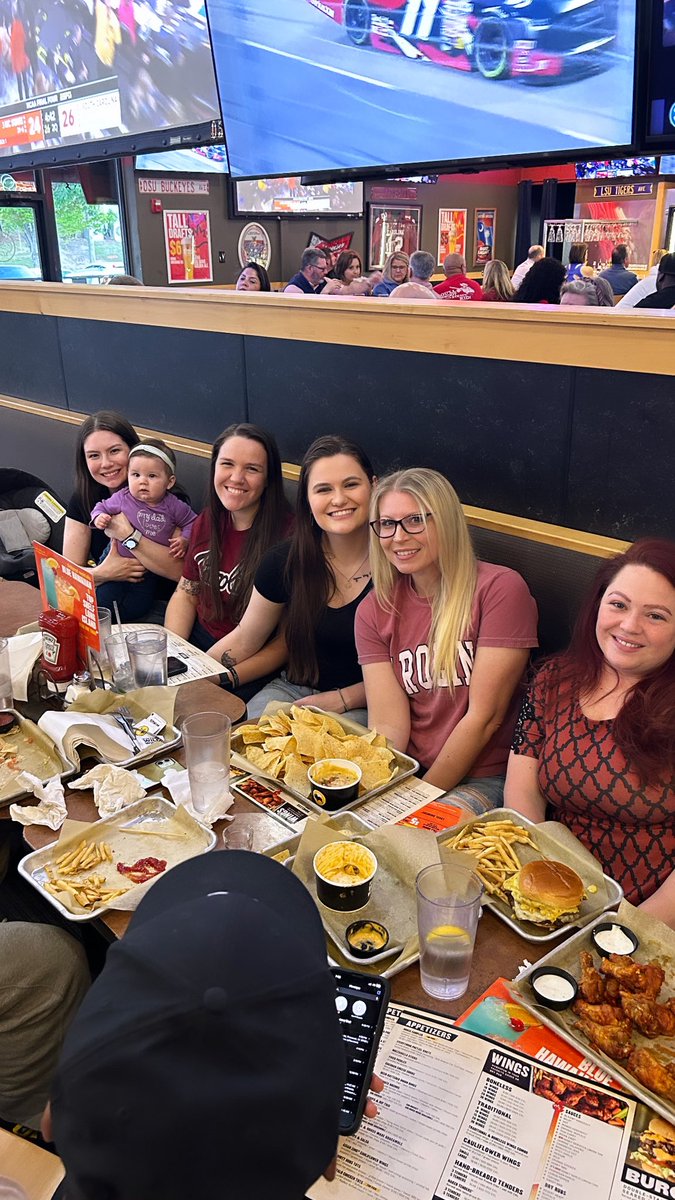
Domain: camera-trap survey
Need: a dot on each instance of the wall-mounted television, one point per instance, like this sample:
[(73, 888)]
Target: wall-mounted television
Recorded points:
[(617, 168), (319, 86), (667, 165), (91, 78), (212, 159), (289, 197), (660, 106)]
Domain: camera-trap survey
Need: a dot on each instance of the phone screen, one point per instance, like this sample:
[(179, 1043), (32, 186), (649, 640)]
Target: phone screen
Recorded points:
[(361, 1003)]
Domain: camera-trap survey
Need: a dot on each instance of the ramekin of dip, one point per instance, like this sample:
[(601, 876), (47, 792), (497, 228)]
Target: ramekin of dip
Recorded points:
[(554, 987), (609, 937)]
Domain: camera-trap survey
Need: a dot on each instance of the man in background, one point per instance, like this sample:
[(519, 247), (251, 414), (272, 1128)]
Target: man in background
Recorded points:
[(533, 255), (664, 296), (618, 277), (457, 285), (310, 279), (419, 286)]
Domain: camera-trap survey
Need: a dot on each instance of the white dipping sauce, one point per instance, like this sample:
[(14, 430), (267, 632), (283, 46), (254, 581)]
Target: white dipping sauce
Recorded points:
[(554, 987), (614, 941)]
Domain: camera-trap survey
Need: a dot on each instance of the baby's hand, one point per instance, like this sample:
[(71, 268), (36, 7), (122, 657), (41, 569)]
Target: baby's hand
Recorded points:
[(178, 546), (102, 521)]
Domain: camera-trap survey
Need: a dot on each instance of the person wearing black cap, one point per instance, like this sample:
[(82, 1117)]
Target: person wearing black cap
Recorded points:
[(664, 296), (206, 1060)]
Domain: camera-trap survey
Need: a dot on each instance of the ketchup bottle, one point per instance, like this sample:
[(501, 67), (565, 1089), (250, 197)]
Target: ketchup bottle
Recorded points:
[(59, 645)]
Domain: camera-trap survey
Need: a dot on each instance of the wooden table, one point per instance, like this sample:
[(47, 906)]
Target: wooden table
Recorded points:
[(38, 1172), (19, 605)]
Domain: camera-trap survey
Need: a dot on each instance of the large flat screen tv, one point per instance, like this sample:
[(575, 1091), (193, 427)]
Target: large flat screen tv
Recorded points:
[(313, 86), (660, 107), (212, 159), (617, 168), (87, 78), (289, 197)]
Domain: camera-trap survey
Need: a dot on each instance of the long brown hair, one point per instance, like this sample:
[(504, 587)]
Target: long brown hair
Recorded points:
[(309, 577), (644, 727), (87, 490), (268, 528)]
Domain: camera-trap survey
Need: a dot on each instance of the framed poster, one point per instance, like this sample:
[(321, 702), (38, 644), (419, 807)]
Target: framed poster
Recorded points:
[(451, 232), (187, 241), (254, 245), (485, 224), (392, 228)]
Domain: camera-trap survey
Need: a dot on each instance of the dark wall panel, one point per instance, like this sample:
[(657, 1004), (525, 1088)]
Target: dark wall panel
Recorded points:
[(182, 381), (30, 359), (621, 464), (498, 430)]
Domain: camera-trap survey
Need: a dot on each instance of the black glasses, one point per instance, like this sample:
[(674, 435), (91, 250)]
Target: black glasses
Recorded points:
[(386, 526)]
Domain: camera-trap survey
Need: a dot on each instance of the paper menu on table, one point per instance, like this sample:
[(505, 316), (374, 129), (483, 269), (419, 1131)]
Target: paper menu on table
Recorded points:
[(392, 806), (461, 1117)]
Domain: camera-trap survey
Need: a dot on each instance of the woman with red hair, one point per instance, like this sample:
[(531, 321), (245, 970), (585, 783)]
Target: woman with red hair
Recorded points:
[(594, 746)]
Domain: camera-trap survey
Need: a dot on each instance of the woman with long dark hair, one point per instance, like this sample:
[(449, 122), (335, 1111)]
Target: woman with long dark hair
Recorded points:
[(247, 513), (312, 585), (542, 283), (595, 743)]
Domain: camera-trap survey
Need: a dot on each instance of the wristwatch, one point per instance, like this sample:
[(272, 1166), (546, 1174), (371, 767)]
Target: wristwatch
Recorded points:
[(132, 540)]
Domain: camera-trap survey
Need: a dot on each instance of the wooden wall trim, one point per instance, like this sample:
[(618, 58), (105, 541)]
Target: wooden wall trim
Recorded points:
[(533, 531), (598, 338)]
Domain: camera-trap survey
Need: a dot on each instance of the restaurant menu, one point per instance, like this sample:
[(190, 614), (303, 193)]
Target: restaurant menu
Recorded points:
[(411, 802), (463, 1117), (69, 588)]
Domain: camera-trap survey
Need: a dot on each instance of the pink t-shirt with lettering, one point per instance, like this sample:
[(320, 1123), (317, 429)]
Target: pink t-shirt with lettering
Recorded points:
[(504, 615)]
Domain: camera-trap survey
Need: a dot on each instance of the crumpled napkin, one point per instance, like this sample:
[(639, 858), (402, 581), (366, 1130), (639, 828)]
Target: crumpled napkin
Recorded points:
[(178, 785), (51, 810), (113, 787), (24, 651)]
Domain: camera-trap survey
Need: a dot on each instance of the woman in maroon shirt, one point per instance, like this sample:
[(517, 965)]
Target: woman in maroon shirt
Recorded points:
[(594, 747)]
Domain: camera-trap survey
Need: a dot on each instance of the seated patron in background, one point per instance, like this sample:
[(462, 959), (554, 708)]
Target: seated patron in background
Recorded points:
[(457, 285), (533, 255), (443, 640), (396, 271), (247, 513), (419, 286), (542, 283), (578, 293), (644, 287), (595, 741), (312, 586), (664, 296), (125, 281), (206, 1059), (497, 284), (348, 278), (309, 280), (619, 278), (578, 268), (253, 278)]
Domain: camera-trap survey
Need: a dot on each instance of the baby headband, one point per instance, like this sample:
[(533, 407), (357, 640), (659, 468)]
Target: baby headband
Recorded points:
[(141, 448)]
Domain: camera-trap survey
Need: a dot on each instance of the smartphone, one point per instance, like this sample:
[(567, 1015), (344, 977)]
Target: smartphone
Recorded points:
[(175, 666), (361, 1003)]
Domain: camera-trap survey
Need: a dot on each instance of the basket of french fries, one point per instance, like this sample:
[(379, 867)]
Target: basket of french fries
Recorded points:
[(501, 843)]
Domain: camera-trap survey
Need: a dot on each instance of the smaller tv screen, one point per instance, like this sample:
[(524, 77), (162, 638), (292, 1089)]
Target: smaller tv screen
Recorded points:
[(667, 165), (212, 159), (290, 197), (617, 168)]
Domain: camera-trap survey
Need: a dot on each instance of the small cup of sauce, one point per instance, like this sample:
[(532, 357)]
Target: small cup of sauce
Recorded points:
[(553, 987), (366, 938), (609, 937)]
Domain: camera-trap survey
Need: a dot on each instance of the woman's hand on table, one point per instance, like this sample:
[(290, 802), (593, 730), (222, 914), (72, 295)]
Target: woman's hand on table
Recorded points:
[(116, 567), (371, 1110)]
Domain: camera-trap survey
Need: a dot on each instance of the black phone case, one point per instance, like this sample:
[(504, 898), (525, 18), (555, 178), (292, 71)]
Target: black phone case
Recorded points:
[(175, 666), (345, 1131)]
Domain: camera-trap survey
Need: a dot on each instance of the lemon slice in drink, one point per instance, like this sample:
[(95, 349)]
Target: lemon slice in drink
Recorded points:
[(454, 932)]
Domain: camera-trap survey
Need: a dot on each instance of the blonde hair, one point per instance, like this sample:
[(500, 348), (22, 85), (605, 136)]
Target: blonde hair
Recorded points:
[(452, 604), (496, 276), (397, 254)]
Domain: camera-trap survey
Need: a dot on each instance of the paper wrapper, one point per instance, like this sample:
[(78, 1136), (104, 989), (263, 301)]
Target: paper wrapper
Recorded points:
[(51, 811), (113, 787), (657, 941), (174, 836), (177, 784), (401, 854), (107, 739), (36, 755)]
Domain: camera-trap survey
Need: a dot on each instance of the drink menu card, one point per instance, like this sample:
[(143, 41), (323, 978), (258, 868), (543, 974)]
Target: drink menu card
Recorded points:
[(462, 1117), (69, 588)]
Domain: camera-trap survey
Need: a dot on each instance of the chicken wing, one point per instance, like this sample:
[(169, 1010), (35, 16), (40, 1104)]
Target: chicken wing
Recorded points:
[(614, 1040), (601, 1014), (652, 1019), (652, 1073), (646, 978), (591, 985)]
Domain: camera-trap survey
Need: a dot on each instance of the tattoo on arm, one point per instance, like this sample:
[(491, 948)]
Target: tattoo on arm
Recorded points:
[(192, 586), (227, 660)]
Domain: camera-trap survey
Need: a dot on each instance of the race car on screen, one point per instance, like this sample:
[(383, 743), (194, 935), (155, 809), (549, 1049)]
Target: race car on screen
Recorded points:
[(519, 38)]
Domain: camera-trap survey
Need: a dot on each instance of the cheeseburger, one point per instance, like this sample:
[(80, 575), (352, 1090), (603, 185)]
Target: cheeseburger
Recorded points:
[(656, 1149), (546, 893)]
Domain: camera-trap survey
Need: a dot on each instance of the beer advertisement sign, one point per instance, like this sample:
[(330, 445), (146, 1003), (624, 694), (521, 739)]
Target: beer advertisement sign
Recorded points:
[(187, 241)]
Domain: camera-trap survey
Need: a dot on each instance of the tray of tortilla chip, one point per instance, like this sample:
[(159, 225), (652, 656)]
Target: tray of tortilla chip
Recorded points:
[(286, 740)]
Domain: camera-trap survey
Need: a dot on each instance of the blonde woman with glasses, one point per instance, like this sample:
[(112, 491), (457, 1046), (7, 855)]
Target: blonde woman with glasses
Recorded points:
[(443, 640)]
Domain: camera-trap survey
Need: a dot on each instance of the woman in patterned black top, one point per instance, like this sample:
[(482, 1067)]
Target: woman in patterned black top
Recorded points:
[(595, 743)]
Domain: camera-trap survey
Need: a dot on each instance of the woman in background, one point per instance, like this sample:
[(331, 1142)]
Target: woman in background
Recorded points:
[(396, 271), (497, 284), (542, 283), (253, 278)]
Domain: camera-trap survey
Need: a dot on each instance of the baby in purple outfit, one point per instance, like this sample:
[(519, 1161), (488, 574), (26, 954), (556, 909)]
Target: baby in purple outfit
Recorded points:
[(154, 513)]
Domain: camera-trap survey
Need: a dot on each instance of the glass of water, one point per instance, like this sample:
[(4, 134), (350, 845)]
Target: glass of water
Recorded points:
[(206, 737), (448, 908), (147, 651), (6, 698), (118, 658)]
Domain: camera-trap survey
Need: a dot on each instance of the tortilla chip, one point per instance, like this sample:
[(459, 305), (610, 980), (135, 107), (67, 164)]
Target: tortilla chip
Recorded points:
[(296, 777), (374, 775), (251, 734)]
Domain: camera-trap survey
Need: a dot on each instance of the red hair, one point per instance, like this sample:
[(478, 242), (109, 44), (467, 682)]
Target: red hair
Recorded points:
[(644, 728)]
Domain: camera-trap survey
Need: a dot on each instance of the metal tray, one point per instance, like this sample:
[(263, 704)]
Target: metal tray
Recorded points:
[(171, 738), (405, 765), (351, 823), (21, 792), (151, 809), (526, 929), (563, 1022)]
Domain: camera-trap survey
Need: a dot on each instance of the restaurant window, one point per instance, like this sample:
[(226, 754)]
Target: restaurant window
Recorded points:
[(20, 256), (88, 223)]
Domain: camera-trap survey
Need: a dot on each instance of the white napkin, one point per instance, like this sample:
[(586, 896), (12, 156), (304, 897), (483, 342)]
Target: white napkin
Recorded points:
[(57, 724), (51, 810), (113, 787), (178, 785), (24, 651)]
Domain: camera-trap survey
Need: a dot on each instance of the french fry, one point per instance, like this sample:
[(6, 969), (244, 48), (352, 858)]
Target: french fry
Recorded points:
[(490, 843)]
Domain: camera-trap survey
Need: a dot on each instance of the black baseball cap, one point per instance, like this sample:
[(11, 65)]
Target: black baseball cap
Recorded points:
[(206, 1060)]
